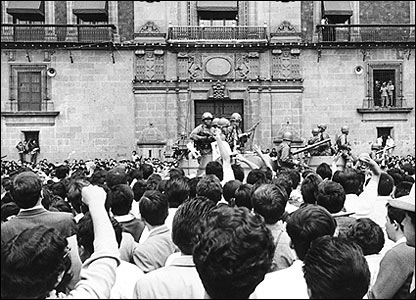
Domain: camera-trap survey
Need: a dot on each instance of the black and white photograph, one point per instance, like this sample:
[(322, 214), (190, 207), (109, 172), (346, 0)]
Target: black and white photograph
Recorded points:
[(207, 149)]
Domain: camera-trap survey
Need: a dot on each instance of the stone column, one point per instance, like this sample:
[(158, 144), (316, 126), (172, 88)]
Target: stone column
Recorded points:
[(113, 18), (317, 15)]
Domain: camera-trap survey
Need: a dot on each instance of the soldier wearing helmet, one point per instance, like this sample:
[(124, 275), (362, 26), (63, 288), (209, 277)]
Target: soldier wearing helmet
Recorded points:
[(284, 156), (343, 146), (203, 136), (236, 138), (313, 140), (324, 149)]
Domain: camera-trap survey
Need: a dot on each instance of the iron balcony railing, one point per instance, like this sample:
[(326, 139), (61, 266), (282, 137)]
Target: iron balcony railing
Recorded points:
[(223, 33), (57, 33), (366, 33)]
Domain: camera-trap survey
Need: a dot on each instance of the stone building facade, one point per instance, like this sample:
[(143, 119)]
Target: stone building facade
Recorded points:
[(96, 77)]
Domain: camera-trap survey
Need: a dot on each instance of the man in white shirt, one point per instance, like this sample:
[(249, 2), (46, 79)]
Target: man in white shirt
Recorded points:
[(303, 226), (179, 279)]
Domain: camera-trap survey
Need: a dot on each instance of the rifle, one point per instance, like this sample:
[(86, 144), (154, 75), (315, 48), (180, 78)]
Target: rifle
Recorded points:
[(312, 146), (385, 149)]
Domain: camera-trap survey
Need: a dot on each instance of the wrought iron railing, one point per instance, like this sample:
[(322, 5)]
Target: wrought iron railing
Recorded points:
[(192, 33), (366, 33), (57, 33), (372, 103)]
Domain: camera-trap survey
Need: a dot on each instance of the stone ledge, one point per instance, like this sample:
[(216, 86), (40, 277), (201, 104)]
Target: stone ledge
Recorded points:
[(30, 118), (380, 114)]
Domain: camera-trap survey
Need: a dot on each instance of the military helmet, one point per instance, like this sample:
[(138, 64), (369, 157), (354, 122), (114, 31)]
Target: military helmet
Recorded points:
[(207, 115), (287, 136), (223, 122), (322, 126), (235, 117), (215, 121), (315, 130), (345, 129)]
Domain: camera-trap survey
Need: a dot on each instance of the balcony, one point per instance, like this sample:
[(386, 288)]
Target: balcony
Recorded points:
[(396, 33), (57, 33), (219, 34)]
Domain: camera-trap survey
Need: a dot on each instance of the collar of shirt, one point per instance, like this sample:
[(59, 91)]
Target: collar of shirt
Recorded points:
[(32, 208), (183, 261), (399, 241), (124, 218)]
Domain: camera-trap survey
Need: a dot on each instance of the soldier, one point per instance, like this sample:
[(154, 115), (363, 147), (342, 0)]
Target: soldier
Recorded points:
[(343, 145), (22, 150), (203, 136), (284, 156), (236, 138), (324, 149), (312, 140)]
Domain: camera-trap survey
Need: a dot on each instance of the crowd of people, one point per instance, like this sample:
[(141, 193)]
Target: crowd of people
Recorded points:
[(142, 229)]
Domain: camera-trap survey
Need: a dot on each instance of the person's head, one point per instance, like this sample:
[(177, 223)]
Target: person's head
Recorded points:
[(257, 176), (120, 197), (394, 219), (59, 189), (324, 170), (116, 176), (335, 268), (407, 203), (367, 234), (309, 186), (210, 187), (193, 182), (345, 129), (287, 137), (61, 172), (385, 185), (26, 189), (187, 220), (322, 127), (146, 170), (242, 196), (215, 167), (138, 189), (269, 201), (59, 204), (154, 207), (98, 177), (306, 224), (177, 190), (224, 125), (234, 252), (8, 210), (402, 189), (174, 172), (33, 263), (85, 235), (238, 172), (350, 181), (236, 119), (283, 180), (330, 195), (229, 189), (294, 177), (207, 118), (315, 131), (215, 122)]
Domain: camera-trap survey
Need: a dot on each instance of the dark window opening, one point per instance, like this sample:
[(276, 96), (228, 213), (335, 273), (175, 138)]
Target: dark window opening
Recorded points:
[(384, 87)]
